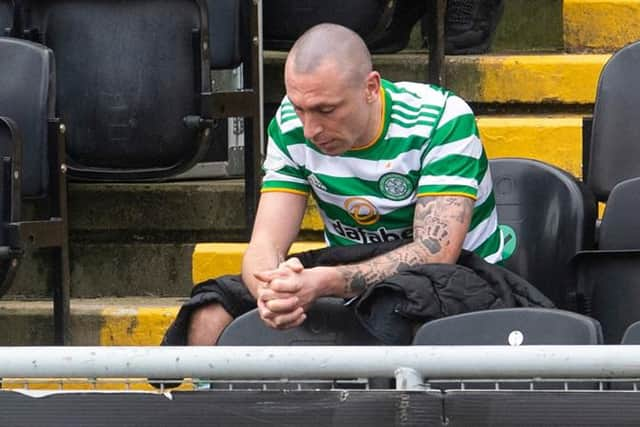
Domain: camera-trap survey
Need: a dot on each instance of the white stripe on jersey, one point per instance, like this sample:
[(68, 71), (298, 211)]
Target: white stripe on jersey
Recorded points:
[(455, 108), (470, 146), (412, 121), (484, 189), (481, 232), (398, 108), (344, 167), (448, 180), (396, 131)]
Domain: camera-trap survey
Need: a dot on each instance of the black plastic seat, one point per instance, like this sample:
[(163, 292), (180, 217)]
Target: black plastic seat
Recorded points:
[(511, 326), (32, 146), (537, 326), (612, 157), (127, 76), (632, 334), (553, 216), (6, 17), (610, 275), (614, 154), (134, 82), (329, 322), (384, 25)]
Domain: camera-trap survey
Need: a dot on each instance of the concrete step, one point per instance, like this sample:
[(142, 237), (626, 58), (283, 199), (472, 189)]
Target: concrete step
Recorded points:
[(553, 138), (216, 259), (600, 25), (99, 321), (102, 321), (537, 80)]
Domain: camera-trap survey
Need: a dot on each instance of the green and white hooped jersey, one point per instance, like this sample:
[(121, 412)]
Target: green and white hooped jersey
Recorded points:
[(428, 145)]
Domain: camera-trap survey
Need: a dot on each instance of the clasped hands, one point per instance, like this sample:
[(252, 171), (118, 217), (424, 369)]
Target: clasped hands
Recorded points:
[(283, 297)]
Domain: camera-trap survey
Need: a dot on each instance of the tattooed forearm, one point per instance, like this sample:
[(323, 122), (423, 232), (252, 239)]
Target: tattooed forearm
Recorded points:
[(360, 276), (434, 218), (440, 226)]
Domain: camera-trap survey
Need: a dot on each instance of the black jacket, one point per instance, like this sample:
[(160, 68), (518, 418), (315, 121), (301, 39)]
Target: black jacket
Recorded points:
[(391, 309)]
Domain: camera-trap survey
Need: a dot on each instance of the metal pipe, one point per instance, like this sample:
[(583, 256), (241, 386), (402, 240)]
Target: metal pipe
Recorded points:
[(432, 362)]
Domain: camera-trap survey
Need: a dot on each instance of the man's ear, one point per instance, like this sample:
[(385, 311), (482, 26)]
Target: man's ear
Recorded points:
[(373, 86)]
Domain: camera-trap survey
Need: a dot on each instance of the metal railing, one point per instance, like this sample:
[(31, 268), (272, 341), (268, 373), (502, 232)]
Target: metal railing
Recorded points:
[(412, 367)]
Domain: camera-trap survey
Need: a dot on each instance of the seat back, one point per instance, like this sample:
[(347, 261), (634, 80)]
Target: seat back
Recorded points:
[(615, 138), (328, 322), (29, 101), (128, 74), (285, 21), (553, 217), (620, 226), (610, 276), (34, 145), (511, 326), (632, 334), (227, 25), (631, 337), (6, 17)]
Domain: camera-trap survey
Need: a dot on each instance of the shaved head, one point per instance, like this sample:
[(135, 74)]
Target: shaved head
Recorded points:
[(331, 43)]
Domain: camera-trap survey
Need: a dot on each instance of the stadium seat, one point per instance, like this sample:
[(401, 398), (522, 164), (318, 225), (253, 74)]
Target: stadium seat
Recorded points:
[(134, 83), (32, 149), (6, 18), (607, 276), (632, 334), (552, 216), (328, 323), (610, 275), (384, 25), (614, 151), (511, 326), (127, 76)]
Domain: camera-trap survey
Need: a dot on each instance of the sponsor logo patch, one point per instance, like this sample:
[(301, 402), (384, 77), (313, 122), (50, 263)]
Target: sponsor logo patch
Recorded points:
[(362, 235), (361, 210)]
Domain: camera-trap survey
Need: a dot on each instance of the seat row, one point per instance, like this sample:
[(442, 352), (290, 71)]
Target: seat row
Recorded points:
[(331, 323), (98, 91), (580, 262)]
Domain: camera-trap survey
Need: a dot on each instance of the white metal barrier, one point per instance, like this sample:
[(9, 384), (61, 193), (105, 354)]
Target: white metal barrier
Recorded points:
[(324, 362)]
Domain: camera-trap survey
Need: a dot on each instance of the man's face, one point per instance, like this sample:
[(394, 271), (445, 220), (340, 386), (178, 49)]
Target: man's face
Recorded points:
[(334, 111)]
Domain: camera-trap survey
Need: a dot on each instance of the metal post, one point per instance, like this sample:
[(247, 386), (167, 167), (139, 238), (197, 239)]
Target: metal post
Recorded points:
[(255, 146), (436, 11), (61, 274)]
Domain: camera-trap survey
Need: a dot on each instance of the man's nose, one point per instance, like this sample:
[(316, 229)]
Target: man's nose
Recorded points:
[(312, 127)]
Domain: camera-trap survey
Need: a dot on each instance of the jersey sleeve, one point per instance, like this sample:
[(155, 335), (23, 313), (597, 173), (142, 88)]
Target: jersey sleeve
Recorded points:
[(454, 162), (281, 171)]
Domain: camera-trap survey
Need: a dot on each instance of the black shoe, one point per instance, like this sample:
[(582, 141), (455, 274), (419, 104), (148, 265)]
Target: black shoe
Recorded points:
[(396, 35), (469, 25)]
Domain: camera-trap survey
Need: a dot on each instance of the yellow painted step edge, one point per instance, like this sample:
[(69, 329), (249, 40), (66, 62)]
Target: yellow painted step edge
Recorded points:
[(602, 25), (211, 260)]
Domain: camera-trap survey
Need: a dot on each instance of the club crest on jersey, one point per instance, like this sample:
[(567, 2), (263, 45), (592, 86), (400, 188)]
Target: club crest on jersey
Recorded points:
[(395, 186), (361, 210)]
